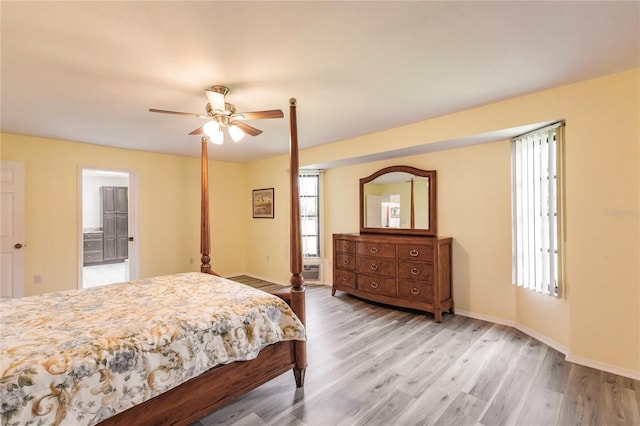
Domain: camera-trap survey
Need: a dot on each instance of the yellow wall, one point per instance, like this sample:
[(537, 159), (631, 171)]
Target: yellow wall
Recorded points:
[(267, 240), (597, 321), (473, 191), (168, 208)]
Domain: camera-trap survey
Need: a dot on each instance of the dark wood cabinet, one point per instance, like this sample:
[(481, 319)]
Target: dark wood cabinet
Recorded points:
[(115, 223), (408, 271), (92, 248)]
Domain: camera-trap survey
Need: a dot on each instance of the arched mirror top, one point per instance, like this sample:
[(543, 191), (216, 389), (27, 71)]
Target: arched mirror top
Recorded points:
[(398, 200)]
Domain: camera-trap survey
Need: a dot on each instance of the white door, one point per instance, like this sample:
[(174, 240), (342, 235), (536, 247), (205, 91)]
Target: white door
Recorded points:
[(12, 228)]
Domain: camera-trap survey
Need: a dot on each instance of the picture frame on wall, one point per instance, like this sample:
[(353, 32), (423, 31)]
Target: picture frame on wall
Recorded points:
[(263, 203)]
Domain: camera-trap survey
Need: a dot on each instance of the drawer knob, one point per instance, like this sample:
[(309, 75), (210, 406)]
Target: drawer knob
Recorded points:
[(415, 271), (415, 291), (373, 250), (346, 261), (374, 285), (374, 267), (414, 253), (345, 278), (345, 246)]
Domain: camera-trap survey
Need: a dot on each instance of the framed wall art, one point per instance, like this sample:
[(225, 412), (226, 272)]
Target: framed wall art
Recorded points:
[(263, 203)]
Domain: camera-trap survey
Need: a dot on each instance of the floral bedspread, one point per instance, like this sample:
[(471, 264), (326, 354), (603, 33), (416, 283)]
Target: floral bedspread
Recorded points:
[(78, 357)]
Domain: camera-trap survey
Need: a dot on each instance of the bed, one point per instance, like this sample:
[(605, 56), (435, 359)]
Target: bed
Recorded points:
[(163, 350)]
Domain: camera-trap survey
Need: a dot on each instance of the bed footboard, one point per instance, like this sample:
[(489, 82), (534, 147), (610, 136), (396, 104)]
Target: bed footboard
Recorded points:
[(284, 295), (199, 396)]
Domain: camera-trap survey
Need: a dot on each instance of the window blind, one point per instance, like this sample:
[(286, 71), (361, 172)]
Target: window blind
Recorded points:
[(536, 164), (310, 212)]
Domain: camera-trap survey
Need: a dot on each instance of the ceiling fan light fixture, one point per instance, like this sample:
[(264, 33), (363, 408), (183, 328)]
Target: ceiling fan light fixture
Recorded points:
[(223, 114), (213, 130), (211, 127), (217, 138), (235, 133)]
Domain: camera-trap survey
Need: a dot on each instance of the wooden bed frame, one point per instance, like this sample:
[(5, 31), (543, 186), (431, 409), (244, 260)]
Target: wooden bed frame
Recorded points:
[(195, 398)]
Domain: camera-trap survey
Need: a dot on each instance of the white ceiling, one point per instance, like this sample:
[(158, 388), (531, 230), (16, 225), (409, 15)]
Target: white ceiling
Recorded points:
[(89, 71)]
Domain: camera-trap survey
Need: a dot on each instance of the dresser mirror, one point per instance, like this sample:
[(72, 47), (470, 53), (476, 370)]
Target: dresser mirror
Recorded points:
[(398, 200)]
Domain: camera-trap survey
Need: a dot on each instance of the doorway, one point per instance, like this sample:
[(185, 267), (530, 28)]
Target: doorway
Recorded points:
[(107, 242)]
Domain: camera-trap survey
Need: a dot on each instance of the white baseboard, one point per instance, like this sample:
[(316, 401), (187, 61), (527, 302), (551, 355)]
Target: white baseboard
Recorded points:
[(635, 375), (482, 317), (544, 339), (555, 345)]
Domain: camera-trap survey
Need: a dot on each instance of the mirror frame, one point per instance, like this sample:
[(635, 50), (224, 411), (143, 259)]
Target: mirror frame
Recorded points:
[(431, 174)]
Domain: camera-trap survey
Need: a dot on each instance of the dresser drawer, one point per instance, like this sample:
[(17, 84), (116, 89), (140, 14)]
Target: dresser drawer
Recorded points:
[(413, 252), (375, 266), (377, 285), (343, 277), (345, 246), (387, 251), (415, 291), (415, 271), (345, 261)]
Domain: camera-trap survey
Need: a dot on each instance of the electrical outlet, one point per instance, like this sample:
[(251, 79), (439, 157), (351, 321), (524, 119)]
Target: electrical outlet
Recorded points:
[(267, 258), (37, 279), (191, 260)]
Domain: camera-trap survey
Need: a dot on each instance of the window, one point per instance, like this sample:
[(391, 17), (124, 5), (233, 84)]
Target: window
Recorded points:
[(537, 199), (309, 185)]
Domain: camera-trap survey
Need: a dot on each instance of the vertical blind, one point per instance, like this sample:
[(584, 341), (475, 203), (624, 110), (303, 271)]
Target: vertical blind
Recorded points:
[(536, 165), (309, 212)]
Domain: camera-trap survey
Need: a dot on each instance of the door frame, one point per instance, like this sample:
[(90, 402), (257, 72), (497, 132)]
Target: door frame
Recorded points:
[(134, 247)]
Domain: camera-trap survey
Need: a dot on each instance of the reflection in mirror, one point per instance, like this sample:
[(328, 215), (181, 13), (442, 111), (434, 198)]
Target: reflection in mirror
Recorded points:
[(398, 199), (390, 199)]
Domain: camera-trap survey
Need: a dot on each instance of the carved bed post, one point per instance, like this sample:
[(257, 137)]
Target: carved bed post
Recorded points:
[(200, 395), (297, 281), (205, 236)]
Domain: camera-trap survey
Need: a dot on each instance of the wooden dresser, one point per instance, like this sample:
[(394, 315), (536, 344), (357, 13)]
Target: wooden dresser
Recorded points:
[(408, 271)]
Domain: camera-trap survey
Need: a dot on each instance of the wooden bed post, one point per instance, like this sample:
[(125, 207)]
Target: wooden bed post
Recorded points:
[(200, 395), (297, 281), (205, 237)]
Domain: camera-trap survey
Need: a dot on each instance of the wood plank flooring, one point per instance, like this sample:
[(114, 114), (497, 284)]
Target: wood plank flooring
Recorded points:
[(374, 365)]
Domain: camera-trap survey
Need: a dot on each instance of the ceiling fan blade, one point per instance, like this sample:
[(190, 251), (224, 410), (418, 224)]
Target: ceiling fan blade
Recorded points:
[(256, 115), (187, 114), (197, 131), (246, 128)]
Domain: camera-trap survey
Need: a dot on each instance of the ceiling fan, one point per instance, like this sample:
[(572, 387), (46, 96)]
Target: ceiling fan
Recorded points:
[(223, 114)]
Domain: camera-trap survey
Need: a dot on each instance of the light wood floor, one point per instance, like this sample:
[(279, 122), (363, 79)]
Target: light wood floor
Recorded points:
[(374, 365)]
